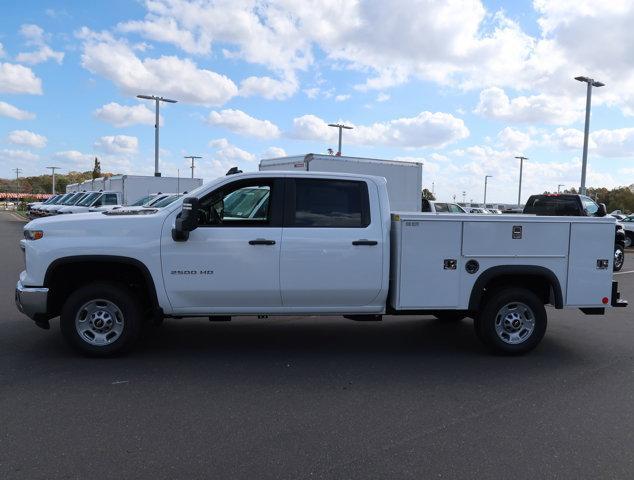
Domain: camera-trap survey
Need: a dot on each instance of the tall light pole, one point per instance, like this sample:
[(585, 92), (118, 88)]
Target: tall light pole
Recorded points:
[(156, 128), (591, 83), (53, 173), (519, 193), (486, 179), (192, 157), (464, 196), (559, 187), (340, 126)]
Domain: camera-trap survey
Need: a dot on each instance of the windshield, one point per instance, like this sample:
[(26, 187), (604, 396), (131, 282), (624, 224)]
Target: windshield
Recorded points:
[(62, 199), (51, 200), (165, 201), (143, 201), (88, 199), (72, 198), (156, 199)]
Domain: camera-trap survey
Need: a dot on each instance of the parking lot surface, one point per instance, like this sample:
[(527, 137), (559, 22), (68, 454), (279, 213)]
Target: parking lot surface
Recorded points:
[(318, 397)]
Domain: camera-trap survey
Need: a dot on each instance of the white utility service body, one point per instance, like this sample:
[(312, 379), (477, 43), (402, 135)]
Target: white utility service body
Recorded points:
[(327, 243), (404, 179)]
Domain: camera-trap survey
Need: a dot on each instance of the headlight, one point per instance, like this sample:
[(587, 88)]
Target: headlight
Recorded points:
[(33, 234)]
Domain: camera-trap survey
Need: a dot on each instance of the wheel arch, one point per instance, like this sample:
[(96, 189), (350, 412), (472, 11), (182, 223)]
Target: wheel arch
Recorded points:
[(65, 274), (528, 276)]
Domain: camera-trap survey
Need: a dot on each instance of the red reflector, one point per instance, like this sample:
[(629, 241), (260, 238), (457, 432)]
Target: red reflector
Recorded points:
[(605, 300)]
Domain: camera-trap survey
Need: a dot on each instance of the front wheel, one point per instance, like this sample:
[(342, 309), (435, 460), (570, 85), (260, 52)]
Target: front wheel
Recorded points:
[(512, 322), (619, 258), (101, 319)]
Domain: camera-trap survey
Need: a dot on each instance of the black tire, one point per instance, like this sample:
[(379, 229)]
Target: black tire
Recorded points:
[(490, 320), (450, 316), (129, 319)]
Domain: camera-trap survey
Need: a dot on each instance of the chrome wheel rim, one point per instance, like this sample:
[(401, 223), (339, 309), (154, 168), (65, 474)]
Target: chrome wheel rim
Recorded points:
[(618, 257), (99, 322), (514, 323)]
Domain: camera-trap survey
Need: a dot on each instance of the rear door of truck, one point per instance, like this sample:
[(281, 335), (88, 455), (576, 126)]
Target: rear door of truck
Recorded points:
[(589, 279), (332, 243)]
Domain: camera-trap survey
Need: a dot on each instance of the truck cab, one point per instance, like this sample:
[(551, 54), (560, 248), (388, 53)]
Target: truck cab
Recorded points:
[(105, 199)]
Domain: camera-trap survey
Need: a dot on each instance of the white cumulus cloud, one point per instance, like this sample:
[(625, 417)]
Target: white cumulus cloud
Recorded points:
[(27, 138), (125, 115), (19, 79), (239, 122), (117, 144), (226, 152), (8, 110), (36, 37), (168, 75)]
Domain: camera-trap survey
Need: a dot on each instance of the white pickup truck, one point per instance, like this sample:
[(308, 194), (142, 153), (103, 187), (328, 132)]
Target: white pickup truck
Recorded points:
[(304, 243)]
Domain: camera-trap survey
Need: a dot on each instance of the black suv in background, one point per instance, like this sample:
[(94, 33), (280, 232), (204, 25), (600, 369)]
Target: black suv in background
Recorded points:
[(573, 205)]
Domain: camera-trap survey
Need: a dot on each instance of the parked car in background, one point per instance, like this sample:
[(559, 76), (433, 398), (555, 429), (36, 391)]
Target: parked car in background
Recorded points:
[(574, 205), (441, 207), (477, 210), (628, 226)]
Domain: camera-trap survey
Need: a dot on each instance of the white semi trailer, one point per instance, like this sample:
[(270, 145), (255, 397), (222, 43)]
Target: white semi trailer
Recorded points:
[(404, 179)]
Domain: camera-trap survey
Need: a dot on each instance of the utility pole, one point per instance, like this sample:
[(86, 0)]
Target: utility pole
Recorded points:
[(464, 196), (192, 157), (486, 179), (559, 187), (156, 128), (519, 193), (17, 182), (53, 173), (591, 83), (340, 126)]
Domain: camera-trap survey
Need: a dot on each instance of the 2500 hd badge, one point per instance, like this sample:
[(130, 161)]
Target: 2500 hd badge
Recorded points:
[(192, 272)]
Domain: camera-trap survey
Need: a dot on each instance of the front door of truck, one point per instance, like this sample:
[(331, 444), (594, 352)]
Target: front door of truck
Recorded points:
[(332, 245), (232, 259)]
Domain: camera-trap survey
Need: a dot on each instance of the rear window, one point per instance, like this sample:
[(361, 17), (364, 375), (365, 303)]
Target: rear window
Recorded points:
[(329, 204), (552, 205)]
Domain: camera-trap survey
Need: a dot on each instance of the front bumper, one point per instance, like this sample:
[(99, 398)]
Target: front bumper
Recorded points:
[(31, 301)]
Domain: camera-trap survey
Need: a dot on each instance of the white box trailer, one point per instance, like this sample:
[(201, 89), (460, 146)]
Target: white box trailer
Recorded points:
[(404, 179), (134, 187), (72, 187)]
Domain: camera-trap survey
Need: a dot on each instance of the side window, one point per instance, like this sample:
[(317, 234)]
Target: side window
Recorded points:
[(328, 204), (590, 206), (111, 199), (239, 204), (442, 208), (454, 208)]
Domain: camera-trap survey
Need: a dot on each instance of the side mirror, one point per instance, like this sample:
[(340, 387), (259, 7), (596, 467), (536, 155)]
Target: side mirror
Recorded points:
[(187, 221), (603, 211)]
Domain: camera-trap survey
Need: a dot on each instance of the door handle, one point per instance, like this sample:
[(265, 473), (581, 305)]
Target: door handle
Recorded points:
[(364, 242), (261, 241)]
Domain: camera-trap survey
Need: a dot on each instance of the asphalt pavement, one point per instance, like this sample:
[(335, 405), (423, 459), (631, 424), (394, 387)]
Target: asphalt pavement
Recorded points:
[(294, 398)]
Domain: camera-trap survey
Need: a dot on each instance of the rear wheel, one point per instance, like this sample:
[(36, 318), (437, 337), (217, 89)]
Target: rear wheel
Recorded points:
[(512, 322), (101, 319), (619, 257), (629, 238)]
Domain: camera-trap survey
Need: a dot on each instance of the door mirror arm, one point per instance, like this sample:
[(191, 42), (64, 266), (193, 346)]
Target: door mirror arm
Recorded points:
[(187, 220)]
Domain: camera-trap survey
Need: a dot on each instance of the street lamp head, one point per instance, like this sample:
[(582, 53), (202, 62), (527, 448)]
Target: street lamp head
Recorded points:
[(594, 83), (598, 84), (582, 79), (168, 100), (147, 97), (340, 125)]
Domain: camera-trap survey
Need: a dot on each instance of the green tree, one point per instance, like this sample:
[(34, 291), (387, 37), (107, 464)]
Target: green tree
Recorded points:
[(427, 195), (96, 171)]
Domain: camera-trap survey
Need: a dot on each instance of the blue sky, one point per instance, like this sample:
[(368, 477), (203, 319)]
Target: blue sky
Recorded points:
[(462, 86)]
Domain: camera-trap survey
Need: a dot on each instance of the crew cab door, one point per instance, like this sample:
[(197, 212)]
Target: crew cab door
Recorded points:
[(232, 259), (332, 247)]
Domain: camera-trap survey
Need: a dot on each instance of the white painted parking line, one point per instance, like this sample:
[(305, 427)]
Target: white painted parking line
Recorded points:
[(621, 273)]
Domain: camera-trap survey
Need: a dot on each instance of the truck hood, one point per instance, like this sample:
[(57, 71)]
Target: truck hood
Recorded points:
[(91, 222)]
